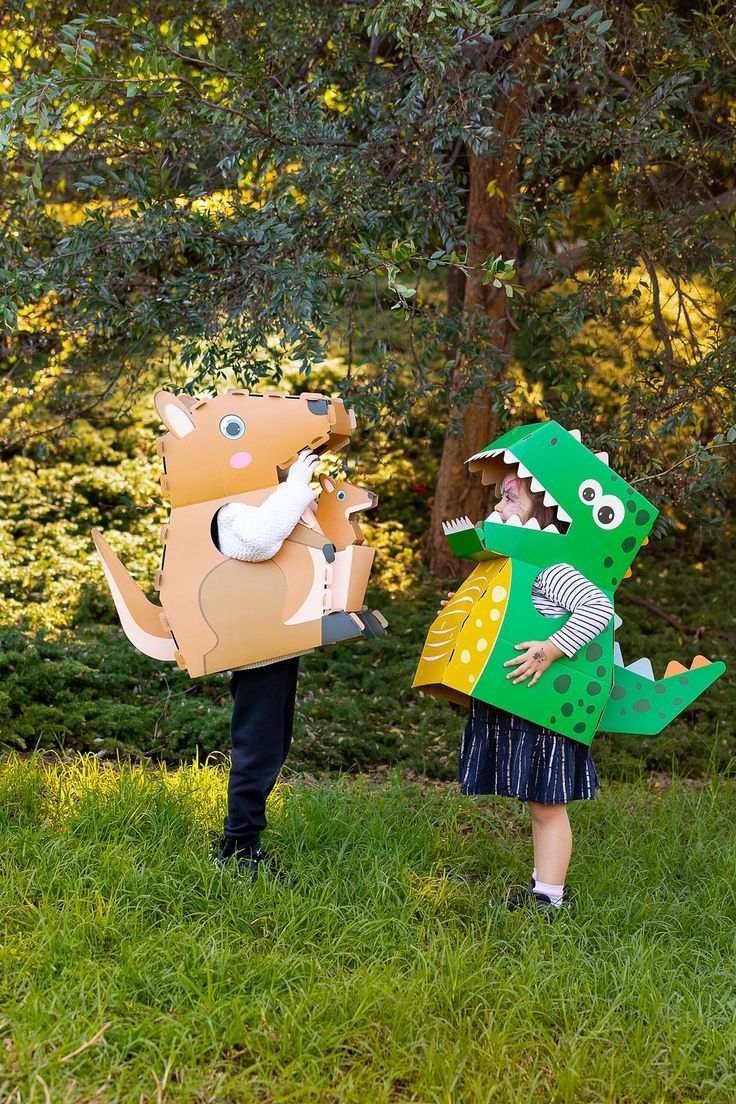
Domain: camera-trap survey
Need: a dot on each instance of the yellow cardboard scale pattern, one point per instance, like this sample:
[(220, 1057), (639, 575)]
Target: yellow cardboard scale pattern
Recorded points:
[(461, 638)]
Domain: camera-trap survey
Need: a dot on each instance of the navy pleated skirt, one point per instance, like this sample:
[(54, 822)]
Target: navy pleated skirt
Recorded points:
[(506, 755)]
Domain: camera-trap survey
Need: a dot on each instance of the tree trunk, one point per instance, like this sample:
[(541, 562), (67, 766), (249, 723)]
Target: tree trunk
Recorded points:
[(470, 428)]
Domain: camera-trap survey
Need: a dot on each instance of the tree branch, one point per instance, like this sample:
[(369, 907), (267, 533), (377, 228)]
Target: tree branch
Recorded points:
[(577, 257)]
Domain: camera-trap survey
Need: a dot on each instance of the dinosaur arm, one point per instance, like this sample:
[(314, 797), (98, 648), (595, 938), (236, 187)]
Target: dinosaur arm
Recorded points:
[(256, 533), (591, 610), (463, 538)]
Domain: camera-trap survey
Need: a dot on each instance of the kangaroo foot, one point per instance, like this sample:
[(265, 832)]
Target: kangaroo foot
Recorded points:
[(341, 626), (375, 623)]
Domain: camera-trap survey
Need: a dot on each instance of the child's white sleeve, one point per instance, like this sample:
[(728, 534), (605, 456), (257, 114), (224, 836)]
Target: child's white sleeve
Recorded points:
[(256, 533), (565, 587)]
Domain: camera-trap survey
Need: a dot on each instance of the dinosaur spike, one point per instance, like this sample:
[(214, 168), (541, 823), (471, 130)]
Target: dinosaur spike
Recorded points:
[(700, 661), (617, 622), (602, 456), (642, 667), (576, 434), (628, 573), (674, 668)]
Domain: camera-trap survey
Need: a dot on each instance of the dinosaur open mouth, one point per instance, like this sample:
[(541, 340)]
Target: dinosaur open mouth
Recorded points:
[(490, 473)]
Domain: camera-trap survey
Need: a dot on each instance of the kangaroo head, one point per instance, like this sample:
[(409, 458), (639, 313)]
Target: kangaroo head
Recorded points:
[(348, 498), (235, 442)]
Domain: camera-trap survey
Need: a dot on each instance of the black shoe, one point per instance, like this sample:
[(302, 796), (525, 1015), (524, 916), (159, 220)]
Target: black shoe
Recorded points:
[(530, 898)]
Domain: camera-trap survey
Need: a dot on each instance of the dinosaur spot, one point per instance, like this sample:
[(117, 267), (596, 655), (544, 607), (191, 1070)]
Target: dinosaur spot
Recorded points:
[(593, 652), (498, 594), (579, 727), (677, 701), (600, 671), (590, 709), (494, 615), (618, 692), (638, 686), (562, 683), (482, 645), (566, 710), (642, 705), (642, 517), (553, 720), (661, 716), (593, 688), (614, 581), (631, 506), (659, 688), (581, 702), (628, 544), (682, 680), (622, 712), (465, 656), (608, 562), (478, 623), (553, 441)]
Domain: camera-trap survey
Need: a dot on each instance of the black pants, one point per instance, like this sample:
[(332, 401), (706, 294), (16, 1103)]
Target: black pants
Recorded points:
[(260, 730)]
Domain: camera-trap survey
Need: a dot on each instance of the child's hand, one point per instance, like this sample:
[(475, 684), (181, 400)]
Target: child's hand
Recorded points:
[(444, 601), (539, 655)]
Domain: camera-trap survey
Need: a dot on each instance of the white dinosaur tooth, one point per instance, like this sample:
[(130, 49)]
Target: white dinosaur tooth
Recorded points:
[(532, 523), (495, 452), (509, 457), (445, 528), (576, 434), (617, 622), (551, 529), (514, 520), (495, 518), (563, 515), (536, 485), (524, 472), (618, 659), (642, 667), (467, 523), (549, 500), (602, 456)]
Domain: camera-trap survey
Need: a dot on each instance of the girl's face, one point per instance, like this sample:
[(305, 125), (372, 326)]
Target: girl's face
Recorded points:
[(515, 499)]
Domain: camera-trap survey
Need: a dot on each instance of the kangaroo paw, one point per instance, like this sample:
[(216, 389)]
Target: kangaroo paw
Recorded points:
[(341, 626), (375, 623)]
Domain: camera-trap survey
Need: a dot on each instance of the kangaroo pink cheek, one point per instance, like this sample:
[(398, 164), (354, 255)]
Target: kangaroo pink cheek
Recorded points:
[(240, 459)]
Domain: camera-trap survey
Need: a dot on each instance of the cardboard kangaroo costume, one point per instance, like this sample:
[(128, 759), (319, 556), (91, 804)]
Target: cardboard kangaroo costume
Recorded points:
[(218, 613)]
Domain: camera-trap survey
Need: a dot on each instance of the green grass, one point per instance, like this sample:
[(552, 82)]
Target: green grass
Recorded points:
[(133, 970)]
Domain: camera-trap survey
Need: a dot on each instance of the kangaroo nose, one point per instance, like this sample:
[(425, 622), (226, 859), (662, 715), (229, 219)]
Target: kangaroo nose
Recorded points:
[(240, 459)]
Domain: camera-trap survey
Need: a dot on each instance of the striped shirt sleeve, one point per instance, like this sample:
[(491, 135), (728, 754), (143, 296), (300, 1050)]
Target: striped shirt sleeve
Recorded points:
[(561, 587)]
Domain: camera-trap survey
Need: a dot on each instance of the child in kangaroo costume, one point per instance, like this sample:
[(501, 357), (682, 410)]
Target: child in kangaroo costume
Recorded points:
[(253, 575)]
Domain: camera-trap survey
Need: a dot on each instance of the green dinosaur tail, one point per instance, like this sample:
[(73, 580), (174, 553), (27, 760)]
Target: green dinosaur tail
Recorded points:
[(641, 705)]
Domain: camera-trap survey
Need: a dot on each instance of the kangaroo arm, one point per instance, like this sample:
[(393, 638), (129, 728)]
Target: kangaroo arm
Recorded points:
[(141, 619)]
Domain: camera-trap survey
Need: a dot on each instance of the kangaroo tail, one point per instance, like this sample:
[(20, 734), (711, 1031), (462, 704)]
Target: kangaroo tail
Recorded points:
[(141, 619), (642, 705)]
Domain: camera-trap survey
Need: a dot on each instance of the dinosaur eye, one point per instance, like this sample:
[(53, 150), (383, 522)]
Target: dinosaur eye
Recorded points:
[(609, 512), (232, 427), (341, 496), (589, 491)]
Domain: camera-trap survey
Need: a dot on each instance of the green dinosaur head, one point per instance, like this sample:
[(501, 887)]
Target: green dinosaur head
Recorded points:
[(605, 520)]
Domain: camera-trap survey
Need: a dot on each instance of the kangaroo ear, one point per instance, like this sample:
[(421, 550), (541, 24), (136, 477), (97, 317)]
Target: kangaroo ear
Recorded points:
[(173, 413), (326, 484)]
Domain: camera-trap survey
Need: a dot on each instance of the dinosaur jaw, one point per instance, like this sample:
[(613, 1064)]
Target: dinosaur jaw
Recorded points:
[(494, 465)]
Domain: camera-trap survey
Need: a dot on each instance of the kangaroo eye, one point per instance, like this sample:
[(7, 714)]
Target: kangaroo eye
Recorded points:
[(232, 427), (609, 512), (341, 496), (589, 491)]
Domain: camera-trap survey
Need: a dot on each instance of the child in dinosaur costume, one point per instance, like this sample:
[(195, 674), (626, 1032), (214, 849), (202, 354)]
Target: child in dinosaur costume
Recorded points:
[(551, 555)]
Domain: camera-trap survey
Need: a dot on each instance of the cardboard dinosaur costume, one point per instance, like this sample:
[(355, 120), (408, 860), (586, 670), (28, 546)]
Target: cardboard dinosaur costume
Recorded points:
[(602, 523), (219, 613)]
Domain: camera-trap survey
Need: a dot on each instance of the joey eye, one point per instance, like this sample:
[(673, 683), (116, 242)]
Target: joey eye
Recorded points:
[(341, 496), (589, 491), (232, 427), (609, 512)]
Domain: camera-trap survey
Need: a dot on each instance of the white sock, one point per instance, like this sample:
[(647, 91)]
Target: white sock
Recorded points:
[(534, 877), (554, 892)]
